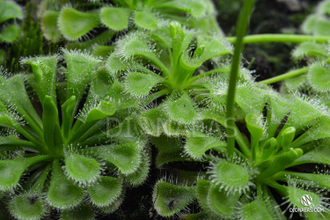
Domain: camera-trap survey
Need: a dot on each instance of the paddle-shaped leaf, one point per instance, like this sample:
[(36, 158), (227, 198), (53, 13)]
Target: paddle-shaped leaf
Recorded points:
[(170, 199), (319, 77), (198, 143), (115, 18), (74, 24), (182, 110), (146, 19), (49, 26), (140, 84), (10, 34), (63, 193), (82, 169), (105, 191), (9, 10)]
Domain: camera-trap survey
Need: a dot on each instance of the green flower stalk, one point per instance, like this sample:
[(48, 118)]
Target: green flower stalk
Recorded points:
[(74, 152)]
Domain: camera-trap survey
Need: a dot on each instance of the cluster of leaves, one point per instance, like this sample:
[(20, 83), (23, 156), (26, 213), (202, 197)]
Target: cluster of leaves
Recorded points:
[(9, 11), (267, 163), (76, 132), (77, 21), (315, 54), (71, 156)]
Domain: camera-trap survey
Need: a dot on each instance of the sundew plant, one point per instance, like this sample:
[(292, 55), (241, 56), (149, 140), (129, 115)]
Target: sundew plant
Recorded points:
[(81, 128), (61, 159)]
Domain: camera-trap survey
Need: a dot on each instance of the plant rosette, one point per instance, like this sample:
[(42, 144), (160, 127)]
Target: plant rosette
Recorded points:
[(285, 133), (85, 150)]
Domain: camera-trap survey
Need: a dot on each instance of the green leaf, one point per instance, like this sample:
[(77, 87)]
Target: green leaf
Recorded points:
[(220, 203), (7, 119), (12, 91), (280, 162), (248, 96), (167, 144), (254, 123), (202, 190), (152, 121), (319, 130), (49, 26), (141, 174), (79, 68), (102, 51), (232, 177), (81, 212), (182, 110), (10, 34), (115, 18), (25, 207), (312, 49), (196, 8), (321, 154), (81, 169), (113, 206), (74, 24), (125, 156), (319, 77), (302, 113), (140, 84), (256, 210), (165, 157), (9, 10), (128, 131), (146, 19), (287, 136), (135, 45), (295, 194), (322, 27), (10, 173), (101, 111), (121, 99), (208, 47), (309, 23), (12, 170), (318, 180), (102, 38), (278, 108), (67, 115), (198, 143), (297, 82), (105, 191), (52, 133), (170, 199), (323, 7), (44, 71), (100, 85), (63, 193)]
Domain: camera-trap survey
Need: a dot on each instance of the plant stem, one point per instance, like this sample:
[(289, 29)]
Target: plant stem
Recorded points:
[(242, 25), (288, 75), (219, 70), (284, 76), (280, 38)]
